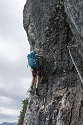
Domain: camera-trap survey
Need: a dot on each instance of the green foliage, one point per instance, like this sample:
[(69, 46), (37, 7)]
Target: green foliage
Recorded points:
[(22, 113)]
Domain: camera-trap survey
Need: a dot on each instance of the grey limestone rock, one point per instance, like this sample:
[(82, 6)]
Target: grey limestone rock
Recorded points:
[(52, 26)]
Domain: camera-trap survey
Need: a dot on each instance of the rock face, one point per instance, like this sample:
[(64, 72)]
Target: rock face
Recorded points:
[(55, 27)]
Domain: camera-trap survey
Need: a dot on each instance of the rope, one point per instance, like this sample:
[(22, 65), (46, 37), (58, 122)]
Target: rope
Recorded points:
[(72, 57), (75, 65)]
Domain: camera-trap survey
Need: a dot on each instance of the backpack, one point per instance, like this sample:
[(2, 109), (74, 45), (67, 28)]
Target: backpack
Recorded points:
[(33, 60)]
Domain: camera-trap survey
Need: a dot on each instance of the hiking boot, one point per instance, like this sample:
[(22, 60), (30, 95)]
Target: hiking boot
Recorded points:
[(37, 93), (31, 89)]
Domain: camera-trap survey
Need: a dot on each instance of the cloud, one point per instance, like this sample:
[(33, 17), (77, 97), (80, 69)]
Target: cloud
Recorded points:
[(8, 118), (11, 19), (10, 52), (15, 78)]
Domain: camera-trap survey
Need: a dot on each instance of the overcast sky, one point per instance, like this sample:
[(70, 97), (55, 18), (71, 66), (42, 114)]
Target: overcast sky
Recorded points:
[(14, 76)]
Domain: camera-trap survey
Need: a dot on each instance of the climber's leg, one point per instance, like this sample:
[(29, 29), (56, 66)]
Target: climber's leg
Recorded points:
[(33, 79), (38, 77), (38, 81)]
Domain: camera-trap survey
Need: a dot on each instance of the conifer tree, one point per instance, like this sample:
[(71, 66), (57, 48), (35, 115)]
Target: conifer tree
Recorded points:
[(22, 113)]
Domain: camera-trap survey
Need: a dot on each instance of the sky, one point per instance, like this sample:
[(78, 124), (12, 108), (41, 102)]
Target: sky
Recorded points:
[(15, 78)]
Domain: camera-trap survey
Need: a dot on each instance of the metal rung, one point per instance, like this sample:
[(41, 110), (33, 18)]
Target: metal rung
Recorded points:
[(72, 46)]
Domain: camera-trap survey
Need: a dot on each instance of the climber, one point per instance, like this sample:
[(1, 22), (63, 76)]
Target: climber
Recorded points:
[(34, 63)]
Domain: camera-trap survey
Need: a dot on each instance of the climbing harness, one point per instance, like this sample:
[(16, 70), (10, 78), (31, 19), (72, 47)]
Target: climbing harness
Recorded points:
[(74, 62)]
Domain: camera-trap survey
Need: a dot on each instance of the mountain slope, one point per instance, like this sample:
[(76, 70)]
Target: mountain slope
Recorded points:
[(6, 123)]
